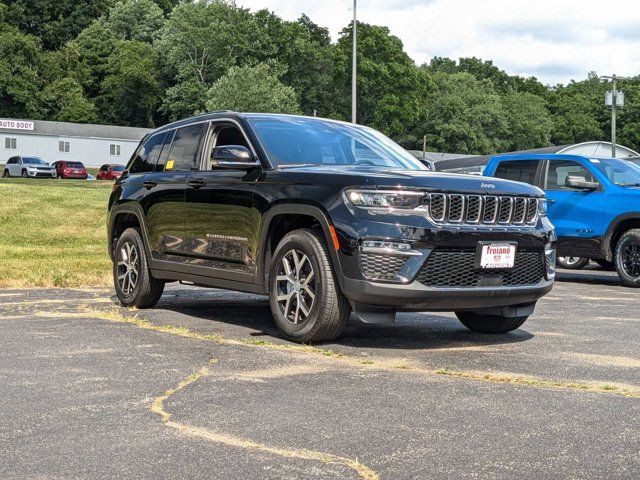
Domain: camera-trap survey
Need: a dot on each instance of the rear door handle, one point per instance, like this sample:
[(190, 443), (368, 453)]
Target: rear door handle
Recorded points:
[(149, 184), (197, 182)]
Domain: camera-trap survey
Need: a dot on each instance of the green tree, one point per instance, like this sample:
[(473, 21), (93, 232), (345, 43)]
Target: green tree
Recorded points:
[(85, 58), (529, 121), (466, 116), (64, 101), (391, 89), (578, 111), (304, 50), (130, 91), (54, 22), (18, 72), (198, 43), (139, 20), (252, 89)]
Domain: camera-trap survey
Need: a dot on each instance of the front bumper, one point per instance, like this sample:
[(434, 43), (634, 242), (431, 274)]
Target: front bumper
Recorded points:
[(41, 174), (418, 297)]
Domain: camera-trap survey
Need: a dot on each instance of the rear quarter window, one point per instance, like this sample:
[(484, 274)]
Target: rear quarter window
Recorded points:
[(518, 170), (145, 157)]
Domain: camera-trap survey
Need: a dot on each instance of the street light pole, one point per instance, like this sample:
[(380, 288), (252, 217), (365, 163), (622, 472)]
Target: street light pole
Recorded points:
[(353, 69), (614, 107)]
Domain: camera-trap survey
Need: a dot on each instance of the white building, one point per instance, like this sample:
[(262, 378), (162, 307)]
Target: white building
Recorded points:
[(90, 144)]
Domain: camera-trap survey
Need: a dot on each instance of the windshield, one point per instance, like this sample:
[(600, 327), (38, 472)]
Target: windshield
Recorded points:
[(621, 172), (118, 168), (33, 161), (303, 141)]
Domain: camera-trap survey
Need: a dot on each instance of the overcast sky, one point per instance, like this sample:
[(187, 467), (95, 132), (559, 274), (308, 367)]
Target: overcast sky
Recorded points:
[(553, 40)]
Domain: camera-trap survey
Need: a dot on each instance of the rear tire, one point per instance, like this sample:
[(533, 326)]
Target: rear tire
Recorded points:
[(481, 323), (132, 279), (573, 263), (627, 258), (5, 174), (305, 298)]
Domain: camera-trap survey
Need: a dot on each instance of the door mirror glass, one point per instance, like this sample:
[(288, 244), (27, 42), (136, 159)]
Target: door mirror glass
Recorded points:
[(232, 156), (580, 183)]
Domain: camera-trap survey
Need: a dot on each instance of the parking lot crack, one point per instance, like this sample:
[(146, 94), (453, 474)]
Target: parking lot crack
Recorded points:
[(158, 407)]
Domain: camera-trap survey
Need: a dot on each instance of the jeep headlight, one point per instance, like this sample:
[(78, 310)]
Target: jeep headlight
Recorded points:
[(542, 207), (384, 199)]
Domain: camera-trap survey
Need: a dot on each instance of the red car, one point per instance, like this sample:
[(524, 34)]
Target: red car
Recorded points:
[(110, 171), (66, 169)]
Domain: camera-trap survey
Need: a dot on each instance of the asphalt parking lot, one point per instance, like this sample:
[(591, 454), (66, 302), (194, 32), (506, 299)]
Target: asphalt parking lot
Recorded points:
[(202, 386)]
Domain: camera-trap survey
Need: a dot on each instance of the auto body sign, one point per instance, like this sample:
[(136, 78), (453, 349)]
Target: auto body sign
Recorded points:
[(16, 124)]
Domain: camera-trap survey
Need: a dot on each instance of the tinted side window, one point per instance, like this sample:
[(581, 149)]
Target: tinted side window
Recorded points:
[(164, 154), (518, 170), (559, 170), (184, 148), (147, 154)]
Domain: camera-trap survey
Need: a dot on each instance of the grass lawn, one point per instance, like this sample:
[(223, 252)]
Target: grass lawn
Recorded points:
[(53, 233)]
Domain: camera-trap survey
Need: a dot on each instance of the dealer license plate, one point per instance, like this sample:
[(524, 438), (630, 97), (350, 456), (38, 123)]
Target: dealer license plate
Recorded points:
[(497, 255)]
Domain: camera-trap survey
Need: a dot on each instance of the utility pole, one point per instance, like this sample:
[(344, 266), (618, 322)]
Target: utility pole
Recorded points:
[(615, 99), (353, 69)]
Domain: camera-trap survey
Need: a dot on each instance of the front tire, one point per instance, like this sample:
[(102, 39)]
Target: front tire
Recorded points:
[(135, 287), (24, 174), (627, 258), (305, 298), (573, 263), (481, 323)]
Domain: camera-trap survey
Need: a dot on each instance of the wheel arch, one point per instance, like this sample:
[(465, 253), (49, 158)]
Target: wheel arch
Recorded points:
[(618, 226), (283, 218), (122, 217)]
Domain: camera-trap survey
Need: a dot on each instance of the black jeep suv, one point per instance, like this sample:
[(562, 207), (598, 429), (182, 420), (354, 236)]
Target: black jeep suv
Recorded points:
[(326, 218)]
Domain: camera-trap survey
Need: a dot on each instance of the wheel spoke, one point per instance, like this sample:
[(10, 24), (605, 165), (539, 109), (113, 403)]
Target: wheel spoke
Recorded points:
[(309, 292), (301, 263), (297, 314), (284, 278), (303, 306), (308, 279)]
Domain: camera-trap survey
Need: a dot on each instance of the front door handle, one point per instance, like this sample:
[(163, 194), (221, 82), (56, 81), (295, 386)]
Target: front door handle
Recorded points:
[(550, 201), (197, 182), (149, 184)]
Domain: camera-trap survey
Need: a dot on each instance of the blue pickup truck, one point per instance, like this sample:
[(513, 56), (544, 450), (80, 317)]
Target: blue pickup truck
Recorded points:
[(594, 204)]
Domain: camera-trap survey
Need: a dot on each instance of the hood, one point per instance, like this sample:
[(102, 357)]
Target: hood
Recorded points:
[(438, 181)]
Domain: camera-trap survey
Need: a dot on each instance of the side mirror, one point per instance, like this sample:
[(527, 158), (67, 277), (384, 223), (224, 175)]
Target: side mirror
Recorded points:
[(233, 157), (580, 183), (428, 163)]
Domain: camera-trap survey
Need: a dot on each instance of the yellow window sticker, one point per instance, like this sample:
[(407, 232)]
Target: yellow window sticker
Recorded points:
[(169, 165)]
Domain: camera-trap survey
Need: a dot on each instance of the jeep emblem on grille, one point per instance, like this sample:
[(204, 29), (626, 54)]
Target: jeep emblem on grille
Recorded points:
[(487, 185)]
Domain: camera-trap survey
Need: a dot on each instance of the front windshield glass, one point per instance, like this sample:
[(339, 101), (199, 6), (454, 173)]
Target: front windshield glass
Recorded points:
[(33, 161), (292, 141), (620, 172)]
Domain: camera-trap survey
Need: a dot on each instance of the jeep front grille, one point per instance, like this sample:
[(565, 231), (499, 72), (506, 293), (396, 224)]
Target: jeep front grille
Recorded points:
[(462, 209)]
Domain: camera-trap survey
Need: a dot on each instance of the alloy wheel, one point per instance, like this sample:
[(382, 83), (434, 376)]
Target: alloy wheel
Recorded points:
[(128, 265), (570, 260), (296, 286), (630, 259)]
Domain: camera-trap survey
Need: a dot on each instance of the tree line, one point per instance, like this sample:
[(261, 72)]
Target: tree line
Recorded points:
[(147, 62)]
